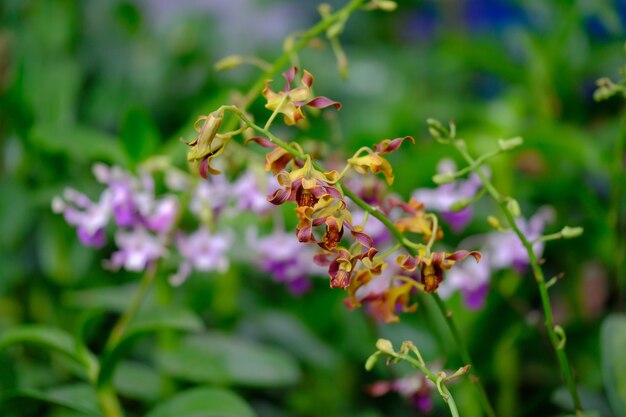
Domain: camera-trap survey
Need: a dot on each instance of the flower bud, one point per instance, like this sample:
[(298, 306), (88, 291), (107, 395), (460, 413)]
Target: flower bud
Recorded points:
[(460, 204), (444, 178), (510, 144), (371, 361), (571, 232), (385, 346), (228, 63), (436, 129), (513, 207), (494, 222), (387, 5)]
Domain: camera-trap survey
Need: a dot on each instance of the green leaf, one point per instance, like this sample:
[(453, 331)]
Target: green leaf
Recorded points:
[(203, 402), (140, 135), (80, 143), (107, 298), (137, 381), (612, 342), (51, 338), (228, 360), (78, 397), (144, 324)]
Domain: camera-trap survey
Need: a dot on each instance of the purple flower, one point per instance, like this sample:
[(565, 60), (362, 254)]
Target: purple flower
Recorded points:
[(201, 251), (90, 218), (251, 190), (210, 196), (137, 249), (500, 250), (133, 201), (440, 199), (285, 259), (416, 388)]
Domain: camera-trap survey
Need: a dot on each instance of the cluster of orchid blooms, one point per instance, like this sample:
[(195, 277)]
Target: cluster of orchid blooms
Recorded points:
[(334, 234), (373, 271)]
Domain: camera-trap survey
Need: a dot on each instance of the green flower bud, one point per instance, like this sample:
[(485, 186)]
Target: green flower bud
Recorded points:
[(571, 232), (228, 63), (387, 5), (444, 178), (385, 346), (513, 207), (509, 144), (460, 204), (371, 361)]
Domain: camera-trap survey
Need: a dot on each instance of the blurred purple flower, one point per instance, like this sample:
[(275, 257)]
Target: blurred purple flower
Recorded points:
[(133, 201), (285, 259), (500, 250), (201, 251), (440, 199), (251, 190), (416, 388), (88, 217), (137, 249)]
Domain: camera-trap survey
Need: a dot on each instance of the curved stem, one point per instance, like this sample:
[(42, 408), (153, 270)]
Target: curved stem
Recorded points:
[(555, 340), (373, 211)]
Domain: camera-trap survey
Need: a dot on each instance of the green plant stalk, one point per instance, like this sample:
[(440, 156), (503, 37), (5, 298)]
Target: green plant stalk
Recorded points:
[(558, 346), (109, 402), (106, 393), (617, 185), (465, 356), (448, 399)]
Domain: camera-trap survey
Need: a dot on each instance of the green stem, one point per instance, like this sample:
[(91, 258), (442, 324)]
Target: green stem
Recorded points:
[(446, 394), (373, 211), (109, 402), (617, 184), (557, 345), (120, 327)]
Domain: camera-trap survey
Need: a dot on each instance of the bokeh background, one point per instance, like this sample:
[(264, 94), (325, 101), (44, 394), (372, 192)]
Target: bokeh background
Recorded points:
[(75, 76)]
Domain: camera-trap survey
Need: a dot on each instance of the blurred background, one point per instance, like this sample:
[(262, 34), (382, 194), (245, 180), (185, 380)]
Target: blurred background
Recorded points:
[(76, 76)]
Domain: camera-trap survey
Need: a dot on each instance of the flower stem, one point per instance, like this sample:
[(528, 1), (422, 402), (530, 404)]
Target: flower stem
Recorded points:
[(617, 186), (109, 402), (555, 340), (373, 211)]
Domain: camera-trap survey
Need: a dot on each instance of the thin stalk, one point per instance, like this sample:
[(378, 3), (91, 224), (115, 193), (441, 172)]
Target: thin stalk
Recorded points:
[(617, 186), (109, 402), (446, 394), (373, 211), (555, 340)]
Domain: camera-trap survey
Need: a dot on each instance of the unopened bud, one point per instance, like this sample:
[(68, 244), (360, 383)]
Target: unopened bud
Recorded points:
[(336, 29), (324, 9), (387, 5), (444, 178), (460, 204), (509, 144), (571, 232), (385, 346), (228, 63), (494, 222), (436, 129), (371, 361), (513, 207)]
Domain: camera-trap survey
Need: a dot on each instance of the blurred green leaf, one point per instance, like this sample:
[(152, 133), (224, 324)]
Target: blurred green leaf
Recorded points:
[(139, 134), (229, 360), (15, 212), (137, 381), (613, 342), (108, 298), (145, 323), (203, 402), (594, 403), (78, 397), (80, 143), (50, 338)]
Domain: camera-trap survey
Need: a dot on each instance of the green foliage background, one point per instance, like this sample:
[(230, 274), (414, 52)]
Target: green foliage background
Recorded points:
[(117, 81)]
